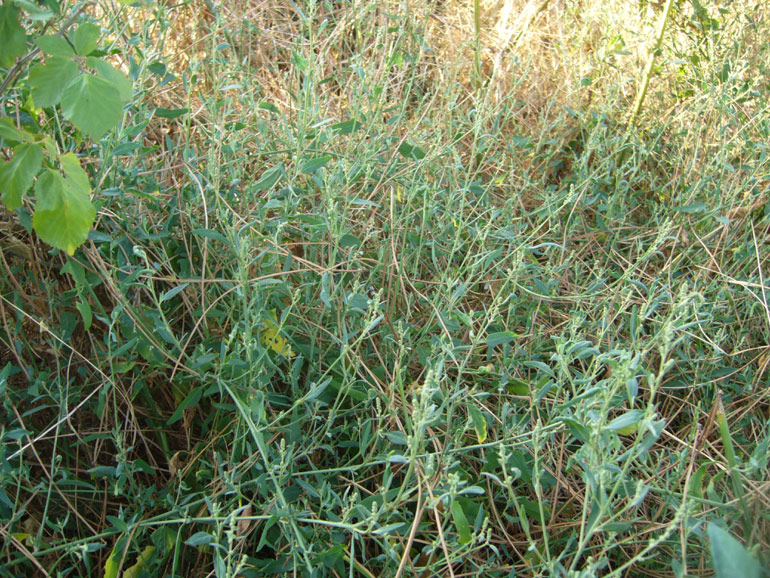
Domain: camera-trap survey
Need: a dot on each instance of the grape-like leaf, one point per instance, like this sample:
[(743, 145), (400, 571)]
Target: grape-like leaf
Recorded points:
[(64, 213), (9, 132), (92, 104), (55, 46), (14, 39), (16, 175), (112, 75), (49, 80), (85, 38)]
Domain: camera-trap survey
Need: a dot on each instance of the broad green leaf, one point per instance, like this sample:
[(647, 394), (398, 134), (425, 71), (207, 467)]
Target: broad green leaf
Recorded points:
[(49, 80), (55, 46), (12, 35), (113, 76), (730, 557), (16, 175), (76, 176), (85, 38), (92, 104), (479, 423), (461, 523), (9, 132), (64, 213)]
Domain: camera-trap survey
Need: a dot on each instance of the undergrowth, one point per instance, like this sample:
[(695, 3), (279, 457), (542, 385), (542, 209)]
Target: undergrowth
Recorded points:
[(371, 294)]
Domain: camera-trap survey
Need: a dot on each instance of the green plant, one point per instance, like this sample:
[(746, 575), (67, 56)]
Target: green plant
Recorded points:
[(90, 93)]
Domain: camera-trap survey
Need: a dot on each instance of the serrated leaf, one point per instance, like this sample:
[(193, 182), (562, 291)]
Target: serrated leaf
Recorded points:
[(48, 81), (479, 423), (461, 523), (112, 75), (64, 213), (14, 38), (9, 132), (731, 559), (16, 175), (55, 46), (92, 104), (76, 176), (85, 38)]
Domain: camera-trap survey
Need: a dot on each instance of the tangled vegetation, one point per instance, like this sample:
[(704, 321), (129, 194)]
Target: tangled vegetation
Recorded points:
[(378, 288)]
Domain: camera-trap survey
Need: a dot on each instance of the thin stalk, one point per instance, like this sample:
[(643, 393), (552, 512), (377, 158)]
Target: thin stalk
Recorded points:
[(650, 63)]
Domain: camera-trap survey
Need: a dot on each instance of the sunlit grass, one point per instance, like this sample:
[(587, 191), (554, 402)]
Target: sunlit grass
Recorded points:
[(385, 290)]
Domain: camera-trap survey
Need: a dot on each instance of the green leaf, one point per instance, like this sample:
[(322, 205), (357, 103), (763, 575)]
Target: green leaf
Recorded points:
[(730, 558), (34, 12), (268, 179), (92, 104), (9, 132), (479, 423), (170, 113), (191, 400), (311, 166), (16, 175), (49, 80), (85, 312), (624, 424), (55, 46), (461, 523), (85, 38), (76, 176), (501, 338), (12, 35), (199, 538), (64, 213), (411, 151), (112, 75)]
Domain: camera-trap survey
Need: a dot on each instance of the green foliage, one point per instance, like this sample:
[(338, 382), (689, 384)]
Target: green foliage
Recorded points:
[(351, 311), (91, 93), (729, 556)]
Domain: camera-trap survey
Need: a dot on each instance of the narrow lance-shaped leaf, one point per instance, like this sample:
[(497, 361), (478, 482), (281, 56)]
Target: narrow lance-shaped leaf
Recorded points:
[(16, 175)]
